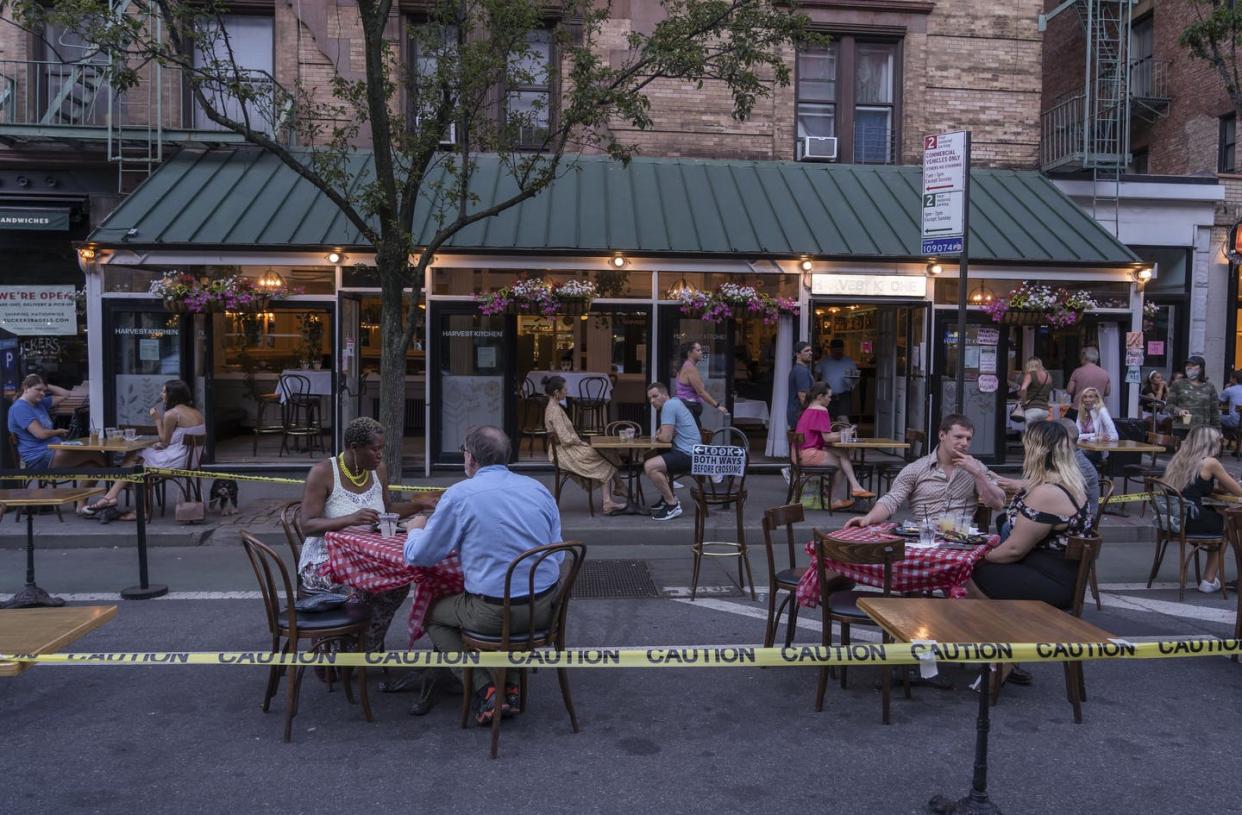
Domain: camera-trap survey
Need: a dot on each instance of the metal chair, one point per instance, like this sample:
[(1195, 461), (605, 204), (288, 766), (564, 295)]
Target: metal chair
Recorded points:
[(291, 523), (530, 421), (1169, 507), (189, 487), (591, 406), (343, 628), (516, 636), (300, 415), (560, 476), (1085, 550), (263, 403), (800, 474), (1106, 492), (709, 492), (1141, 472), (782, 579), (841, 607)]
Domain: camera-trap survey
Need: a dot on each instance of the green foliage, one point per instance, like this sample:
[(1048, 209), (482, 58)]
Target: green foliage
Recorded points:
[(1214, 36)]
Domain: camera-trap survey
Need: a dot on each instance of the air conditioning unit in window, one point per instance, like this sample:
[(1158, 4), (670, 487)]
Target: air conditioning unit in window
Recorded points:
[(817, 148), (450, 136)]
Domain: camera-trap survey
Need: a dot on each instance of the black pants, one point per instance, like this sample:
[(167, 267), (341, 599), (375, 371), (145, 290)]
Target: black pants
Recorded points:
[(1044, 574), (696, 410), (839, 406)]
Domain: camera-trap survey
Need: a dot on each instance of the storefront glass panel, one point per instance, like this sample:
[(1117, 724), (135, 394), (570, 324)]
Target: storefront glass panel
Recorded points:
[(144, 353), (471, 355), (610, 283)]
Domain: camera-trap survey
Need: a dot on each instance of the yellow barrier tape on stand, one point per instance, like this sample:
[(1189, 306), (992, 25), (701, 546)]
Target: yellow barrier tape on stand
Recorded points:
[(714, 656)]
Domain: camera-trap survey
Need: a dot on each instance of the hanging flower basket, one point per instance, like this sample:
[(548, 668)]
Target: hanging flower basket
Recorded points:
[(1024, 317), (534, 296), (575, 308), (183, 293), (1036, 304), (731, 301), (175, 306)]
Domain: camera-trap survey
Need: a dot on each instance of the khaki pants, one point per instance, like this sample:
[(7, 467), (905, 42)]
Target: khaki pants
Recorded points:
[(450, 615)]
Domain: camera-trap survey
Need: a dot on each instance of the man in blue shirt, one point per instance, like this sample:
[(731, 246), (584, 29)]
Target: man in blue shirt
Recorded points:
[(488, 519), (840, 372), (800, 382), (677, 425), (1232, 395)]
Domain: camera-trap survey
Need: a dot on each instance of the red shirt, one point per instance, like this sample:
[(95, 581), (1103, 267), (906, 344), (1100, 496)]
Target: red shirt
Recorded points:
[(812, 424)]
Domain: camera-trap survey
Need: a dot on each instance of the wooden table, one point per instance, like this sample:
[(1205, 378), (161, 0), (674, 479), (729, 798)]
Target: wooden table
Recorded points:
[(30, 497), (909, 619), (622, 454), (114, 446), (45, 631), (1120, 446)]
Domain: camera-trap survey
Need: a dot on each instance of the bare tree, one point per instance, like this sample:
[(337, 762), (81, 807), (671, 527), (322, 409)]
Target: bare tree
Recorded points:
[(473, 57)]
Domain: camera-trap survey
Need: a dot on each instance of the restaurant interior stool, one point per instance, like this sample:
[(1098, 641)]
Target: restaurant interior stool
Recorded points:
[(530, 422), (729, 490), (300, 416), (887, 471), (265, 402), (1141, 472), (519, 638), (786, 579), (841, 607), (340, 629), (591, 406), (1233, 536), (1106, 492), (42, 482), (560, 476), (800, 475), (631, 465), (1169, 508)]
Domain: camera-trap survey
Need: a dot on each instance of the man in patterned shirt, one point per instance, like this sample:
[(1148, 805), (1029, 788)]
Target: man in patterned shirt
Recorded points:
[(946, 480)]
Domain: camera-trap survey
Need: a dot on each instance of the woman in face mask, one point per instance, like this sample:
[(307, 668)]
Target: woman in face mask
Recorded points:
[(1193, 401)]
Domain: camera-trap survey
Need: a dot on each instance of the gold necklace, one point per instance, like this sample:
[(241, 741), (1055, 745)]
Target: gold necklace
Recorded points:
[(356, 480)]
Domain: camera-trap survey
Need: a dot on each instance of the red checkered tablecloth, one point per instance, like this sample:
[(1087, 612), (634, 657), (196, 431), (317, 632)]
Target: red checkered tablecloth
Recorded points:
[(937, 569), (367, 561)]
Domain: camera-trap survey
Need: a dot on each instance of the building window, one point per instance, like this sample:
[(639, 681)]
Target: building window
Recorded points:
[(429, 44), (244, 41), (1139, 162), (848, 90), (1228, 142), (1141, 70), (528, 102)]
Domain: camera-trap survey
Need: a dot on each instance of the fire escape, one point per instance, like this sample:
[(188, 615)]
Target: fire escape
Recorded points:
[(1089, 131)]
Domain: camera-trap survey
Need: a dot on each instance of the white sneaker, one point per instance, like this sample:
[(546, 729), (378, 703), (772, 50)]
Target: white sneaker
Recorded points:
[(1209, 587), (677, 485), (785, 474)]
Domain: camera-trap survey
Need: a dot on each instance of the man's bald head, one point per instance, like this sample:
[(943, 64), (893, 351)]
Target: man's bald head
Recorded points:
[(488, 445)]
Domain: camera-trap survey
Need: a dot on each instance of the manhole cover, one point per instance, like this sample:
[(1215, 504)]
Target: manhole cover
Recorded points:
[(615, 578)]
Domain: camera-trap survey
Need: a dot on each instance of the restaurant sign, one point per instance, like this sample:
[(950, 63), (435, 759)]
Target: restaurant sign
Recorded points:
[(711, 459), (40, 219), (870, 285), (38, 310)]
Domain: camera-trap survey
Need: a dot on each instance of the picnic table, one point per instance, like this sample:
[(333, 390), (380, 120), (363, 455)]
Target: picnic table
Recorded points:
[(944, 567), (45, 631), (29, 498), (366, 560)]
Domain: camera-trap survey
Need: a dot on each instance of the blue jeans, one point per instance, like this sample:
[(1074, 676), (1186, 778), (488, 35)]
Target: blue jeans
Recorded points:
[(42, 461)]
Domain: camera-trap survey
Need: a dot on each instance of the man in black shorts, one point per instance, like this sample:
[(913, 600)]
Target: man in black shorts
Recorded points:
[(677, 425)]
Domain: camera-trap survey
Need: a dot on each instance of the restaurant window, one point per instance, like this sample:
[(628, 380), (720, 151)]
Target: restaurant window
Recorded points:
[(429, 43), (849, 90), (244, 41), (528, 100), (1225, 162), (609, 283)]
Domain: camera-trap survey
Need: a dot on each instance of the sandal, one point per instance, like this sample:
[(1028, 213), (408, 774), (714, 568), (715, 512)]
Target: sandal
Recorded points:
[(842, 503), (616, 510), (862, 493), (88, 510)]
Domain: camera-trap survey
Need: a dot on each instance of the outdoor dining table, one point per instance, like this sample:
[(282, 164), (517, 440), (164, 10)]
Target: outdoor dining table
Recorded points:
[(1120, 446), (944, 567), (626, 456), (46, 631), (368, 561), (29, 498)]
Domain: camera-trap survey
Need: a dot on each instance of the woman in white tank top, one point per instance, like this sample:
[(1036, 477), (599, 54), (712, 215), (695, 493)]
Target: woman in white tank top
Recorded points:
[(351, 490)]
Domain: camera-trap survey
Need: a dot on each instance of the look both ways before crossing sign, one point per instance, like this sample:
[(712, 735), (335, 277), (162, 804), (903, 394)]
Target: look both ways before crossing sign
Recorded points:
[(712, 459), (946, 160)]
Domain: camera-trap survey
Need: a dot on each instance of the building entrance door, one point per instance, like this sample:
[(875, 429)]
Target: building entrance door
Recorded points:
[(471, 362)]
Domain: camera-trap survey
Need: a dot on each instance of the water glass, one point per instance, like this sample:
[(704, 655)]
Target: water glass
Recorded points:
[(627, 433), (927, 533), (131, 433), (112, 433), (388, 524)]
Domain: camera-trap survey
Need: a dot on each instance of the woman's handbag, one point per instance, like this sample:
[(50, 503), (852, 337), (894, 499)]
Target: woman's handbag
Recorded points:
[(1018, 414)]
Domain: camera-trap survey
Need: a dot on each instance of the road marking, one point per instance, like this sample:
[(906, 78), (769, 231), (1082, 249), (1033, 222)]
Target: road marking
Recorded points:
[(1136, 586), (856, 634), (1169, 609)]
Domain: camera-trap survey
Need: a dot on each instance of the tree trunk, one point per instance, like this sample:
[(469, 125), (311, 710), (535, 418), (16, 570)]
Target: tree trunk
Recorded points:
[(392, 263)]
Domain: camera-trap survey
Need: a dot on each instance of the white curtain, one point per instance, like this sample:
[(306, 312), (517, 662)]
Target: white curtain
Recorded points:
[(778, 445), (1110, 359)]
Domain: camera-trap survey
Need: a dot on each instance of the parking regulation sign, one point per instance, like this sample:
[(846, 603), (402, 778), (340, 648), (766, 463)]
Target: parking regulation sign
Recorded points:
[(945, 164)]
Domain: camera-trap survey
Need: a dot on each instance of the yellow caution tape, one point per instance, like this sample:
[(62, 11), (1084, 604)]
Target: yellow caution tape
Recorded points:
[(178, 473), (1129, 497), (35, 475), (693, 656)]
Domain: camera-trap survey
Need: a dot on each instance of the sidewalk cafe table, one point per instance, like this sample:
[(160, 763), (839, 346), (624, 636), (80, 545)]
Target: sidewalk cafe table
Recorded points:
[(1120, 446), (909, 619), (46, 631), (31, 497), (945, 567), (119, 446), (368, 561), (626, 456), (863, 445)]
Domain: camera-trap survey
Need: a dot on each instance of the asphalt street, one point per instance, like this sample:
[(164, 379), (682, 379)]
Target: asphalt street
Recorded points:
[(1157, 735)]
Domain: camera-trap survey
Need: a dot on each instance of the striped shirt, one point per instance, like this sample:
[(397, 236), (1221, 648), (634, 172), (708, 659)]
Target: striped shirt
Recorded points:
[(929, 493)]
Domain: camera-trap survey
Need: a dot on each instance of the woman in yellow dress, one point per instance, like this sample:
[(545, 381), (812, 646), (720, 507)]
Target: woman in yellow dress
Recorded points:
[(574, 454)]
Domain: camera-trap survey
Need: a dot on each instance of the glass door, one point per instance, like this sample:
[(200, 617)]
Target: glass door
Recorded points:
[(987, 350), (912, 359), (715, 367), (471, 364), (145, 350)]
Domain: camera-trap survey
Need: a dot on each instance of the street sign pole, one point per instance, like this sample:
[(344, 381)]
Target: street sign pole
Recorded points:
[(962, 287)]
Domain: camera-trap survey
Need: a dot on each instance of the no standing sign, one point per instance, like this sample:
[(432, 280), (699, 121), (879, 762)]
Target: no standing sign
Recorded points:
[(946, 159)]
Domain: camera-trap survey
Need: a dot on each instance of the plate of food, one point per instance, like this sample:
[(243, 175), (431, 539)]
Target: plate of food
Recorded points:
[(906, 529), (972, 538)]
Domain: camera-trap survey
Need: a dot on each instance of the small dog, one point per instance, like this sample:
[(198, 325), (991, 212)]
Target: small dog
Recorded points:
[(223, 492)]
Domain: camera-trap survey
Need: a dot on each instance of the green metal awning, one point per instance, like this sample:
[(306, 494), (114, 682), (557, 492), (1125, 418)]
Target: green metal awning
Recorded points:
[(241, 198)]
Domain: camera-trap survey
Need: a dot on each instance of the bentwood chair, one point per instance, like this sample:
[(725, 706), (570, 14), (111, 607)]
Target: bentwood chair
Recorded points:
[(1169, 508), (560, 476), (190, 488), (1106, 492), (517, 632), (265, 404), (1141, 472), (339, 629), (591, 406), (841, 607), (1086, 551), (530, 421), (779, 580), (1233, 535), (291, 523), (800, 474), (709, 492), (300, 415), (631, 464)]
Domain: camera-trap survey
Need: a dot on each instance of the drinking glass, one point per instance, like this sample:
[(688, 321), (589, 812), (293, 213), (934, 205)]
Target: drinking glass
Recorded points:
[(112, 433), (131, 433), (927, 533), (388, 524)]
